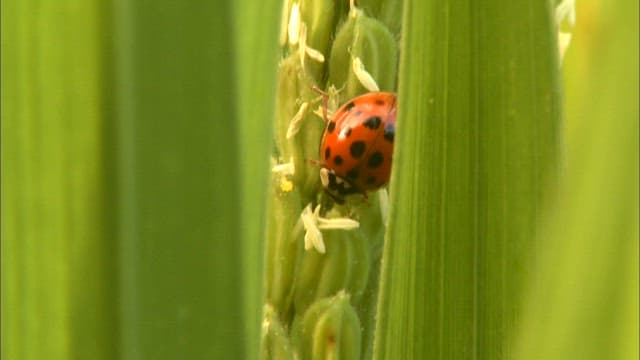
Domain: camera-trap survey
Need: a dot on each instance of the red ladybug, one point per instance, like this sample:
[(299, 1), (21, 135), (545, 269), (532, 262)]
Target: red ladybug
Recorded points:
[(357, 145)]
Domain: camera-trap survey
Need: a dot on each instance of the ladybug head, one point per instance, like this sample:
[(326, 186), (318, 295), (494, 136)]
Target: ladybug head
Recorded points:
[(336, 186)]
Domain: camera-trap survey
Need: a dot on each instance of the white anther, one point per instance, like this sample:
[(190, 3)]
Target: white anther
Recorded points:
[(284, 168), (284, 21), (565, 11), (353, 11), (564, 39), (363, 75), (293, 28), (313, 223), (338, 223), (302, 46), (304, 50), (312, 235), (296, 122), (314, 54)]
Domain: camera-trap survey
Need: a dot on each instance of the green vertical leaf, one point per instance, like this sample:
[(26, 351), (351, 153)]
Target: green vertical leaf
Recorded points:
[(57, 253), (476, 152), (256, 54), (583, 303), (178, 193)]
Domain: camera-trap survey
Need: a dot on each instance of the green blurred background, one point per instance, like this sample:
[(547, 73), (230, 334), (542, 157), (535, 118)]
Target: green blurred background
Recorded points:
[(135, 147)]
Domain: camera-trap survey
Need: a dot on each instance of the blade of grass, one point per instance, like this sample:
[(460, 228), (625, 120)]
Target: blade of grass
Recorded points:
[(256, 49), (29, 216), (477, 147), (177, 181), (56, 251), (584, 300)]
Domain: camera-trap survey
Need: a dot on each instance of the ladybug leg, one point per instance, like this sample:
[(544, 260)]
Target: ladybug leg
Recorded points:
[(319, 91), (338, 200), (325, 101), (365, 198)]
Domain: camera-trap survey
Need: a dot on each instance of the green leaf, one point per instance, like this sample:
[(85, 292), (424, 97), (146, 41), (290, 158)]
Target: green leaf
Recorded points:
[(583, 301), (255, 34), (477, 148), (177, 181), (58, 277)]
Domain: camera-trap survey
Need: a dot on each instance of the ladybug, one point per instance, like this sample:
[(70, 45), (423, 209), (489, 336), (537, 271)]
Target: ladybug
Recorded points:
[(357, 145)]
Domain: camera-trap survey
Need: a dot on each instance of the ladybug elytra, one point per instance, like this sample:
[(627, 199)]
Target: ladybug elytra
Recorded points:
[(357, 145)]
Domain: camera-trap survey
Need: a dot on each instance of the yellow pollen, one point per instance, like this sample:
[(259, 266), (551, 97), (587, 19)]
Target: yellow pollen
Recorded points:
[(286, 185)]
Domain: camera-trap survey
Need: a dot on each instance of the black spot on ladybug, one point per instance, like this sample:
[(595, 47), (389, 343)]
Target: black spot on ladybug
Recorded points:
[(371, 180), (353, 174), (349, 106), (373, 122), (379, 102), (389, 132), (357, 149), (331, 127), (337, 160), (327, 153), (375, 160)]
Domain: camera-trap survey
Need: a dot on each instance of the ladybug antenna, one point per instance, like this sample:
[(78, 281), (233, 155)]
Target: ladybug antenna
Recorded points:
[(314, 162)]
